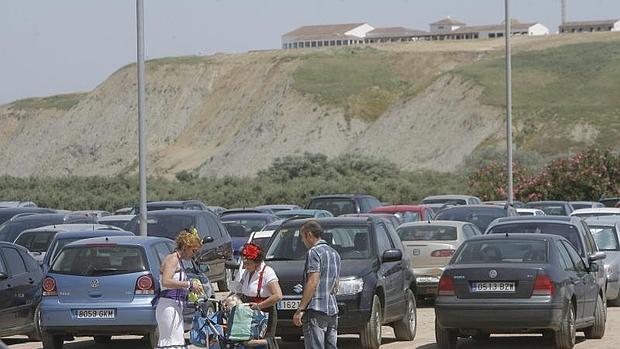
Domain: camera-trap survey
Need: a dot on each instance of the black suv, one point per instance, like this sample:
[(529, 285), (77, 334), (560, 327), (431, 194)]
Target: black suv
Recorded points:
[(343, 203), (217, 247), (20, 291), (376, 285), (10, 230)]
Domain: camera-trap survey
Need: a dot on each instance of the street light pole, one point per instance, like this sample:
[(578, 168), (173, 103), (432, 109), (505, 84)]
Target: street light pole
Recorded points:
[(141, 117), (508, 103)]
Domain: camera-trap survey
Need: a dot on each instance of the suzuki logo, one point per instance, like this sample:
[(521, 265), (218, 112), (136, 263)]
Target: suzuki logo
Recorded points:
[(493, 273), (94, 283), (298, 288)]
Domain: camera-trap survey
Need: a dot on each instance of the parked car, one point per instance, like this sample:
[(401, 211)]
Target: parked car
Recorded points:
[(12, 228), (552, 208), (430, 245), (7, 204), (606, 233), (376, 284), (530, 212), (278, 208), (610, 201), (66, 237), (407, 213), (513, 283), (586, 204), (123, 211), (574, 229), (390, 218), (94, 213), (120, 221), (217, 247), (343, 203), (250, 221), (515, 203), (596, 212), (103, 287), (303, 214), (20, 291), (171, 205), (480, 215), (37, 240), (216, 209), (245, 210), (452, 200), (8, 213)]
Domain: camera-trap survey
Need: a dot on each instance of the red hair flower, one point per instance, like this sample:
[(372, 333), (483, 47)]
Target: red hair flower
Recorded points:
[(250, 251)]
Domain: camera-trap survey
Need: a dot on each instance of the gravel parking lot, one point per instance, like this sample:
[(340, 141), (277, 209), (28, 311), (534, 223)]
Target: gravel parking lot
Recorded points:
[(425, 338)]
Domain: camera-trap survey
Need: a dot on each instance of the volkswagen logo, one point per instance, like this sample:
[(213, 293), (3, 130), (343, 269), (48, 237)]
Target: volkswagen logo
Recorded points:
[(94, 283), (298, 288), (493, 273)]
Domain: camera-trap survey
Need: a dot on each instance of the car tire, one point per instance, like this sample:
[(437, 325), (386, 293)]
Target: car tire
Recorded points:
[(52, 341), (35, 335), (290, 338), (446, 338), (597, 331), (565, 337), (224, 285), (102, 339), (405, 329), (370, 337)]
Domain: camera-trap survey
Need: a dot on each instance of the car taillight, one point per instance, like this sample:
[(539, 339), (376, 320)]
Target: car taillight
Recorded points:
[(446, 286), (49, 287), (442, 253), (543, 286), (145, 285)]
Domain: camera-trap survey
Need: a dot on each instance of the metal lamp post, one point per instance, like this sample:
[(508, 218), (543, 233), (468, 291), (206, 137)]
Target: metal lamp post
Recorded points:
[(141, 117), (507, 35)]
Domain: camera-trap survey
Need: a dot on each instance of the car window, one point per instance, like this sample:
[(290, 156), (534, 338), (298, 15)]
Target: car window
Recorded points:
[(14, 260), (213, 229), (568, 231), (335, 206), (2, 266), (364, 205), (99, 260), (25, 239), (468, 231), (427, 233), (167, 226), (580, 267), (606, 237), (395, 238), (408, 216), (251, 225), (161, 251), (565, 259), (383, 240), (502, 251), (35, 242), (589, 239)]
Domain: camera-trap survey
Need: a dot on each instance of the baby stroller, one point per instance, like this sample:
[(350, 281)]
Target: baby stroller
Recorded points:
[(213, 328)]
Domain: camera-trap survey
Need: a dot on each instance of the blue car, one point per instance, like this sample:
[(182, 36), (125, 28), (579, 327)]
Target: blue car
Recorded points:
[(104, 286)]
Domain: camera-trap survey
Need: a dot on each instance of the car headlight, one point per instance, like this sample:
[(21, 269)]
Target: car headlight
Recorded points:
[(350, 286)]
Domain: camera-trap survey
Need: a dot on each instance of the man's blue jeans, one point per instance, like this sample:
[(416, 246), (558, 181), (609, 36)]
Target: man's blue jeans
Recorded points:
[(320, 330)]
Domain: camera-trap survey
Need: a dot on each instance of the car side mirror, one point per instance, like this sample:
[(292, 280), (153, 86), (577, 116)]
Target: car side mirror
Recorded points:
[(392, 255), (207, 239), (232, 265), (597, 256), (3, 276)]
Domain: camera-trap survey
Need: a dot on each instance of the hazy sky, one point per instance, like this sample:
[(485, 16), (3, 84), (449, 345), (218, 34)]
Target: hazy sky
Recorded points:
[(51, 47)]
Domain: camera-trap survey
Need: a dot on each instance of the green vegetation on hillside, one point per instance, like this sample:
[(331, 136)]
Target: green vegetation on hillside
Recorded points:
[(62, 102), (555, 92)]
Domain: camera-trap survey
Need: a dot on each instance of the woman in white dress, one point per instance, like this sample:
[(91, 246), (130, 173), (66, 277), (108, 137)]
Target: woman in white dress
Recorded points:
[(174, 287)]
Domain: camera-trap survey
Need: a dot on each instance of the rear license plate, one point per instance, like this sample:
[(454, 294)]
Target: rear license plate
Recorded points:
[(492, 286), (288, 305), (95, 313)]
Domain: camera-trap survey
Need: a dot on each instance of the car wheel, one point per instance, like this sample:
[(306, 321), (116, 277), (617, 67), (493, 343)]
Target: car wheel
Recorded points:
[(371, 334), (224, 285), (52, 341), (597, 331), (290, 338), (405, 328), (102, 339), (565, 336), (445, 337), (35, 335)]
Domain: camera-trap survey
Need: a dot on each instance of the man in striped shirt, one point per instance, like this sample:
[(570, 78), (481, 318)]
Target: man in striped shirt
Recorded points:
[(318, 310)]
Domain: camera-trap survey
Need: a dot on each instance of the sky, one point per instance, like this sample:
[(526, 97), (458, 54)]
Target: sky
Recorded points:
[(64, 46)]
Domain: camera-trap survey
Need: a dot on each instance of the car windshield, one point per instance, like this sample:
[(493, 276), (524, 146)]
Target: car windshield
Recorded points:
[(550, 209), (567, 231), (236, 230), (285, 214), (260, 241), (481, 217), (351, 242), (407, 216), (167, 226), (99, 260), (116, 223), (335, 206), (251, 224), (502, 251), (427, 233), (606, 237)]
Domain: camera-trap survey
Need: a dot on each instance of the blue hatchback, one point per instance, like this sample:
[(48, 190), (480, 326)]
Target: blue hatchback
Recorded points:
[(103, 287)]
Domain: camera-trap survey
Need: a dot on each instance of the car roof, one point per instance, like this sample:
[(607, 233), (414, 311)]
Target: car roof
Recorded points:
[(449, 196), (26, 210), (519, 236), (597, 210), (330, 221), (118, 217), (175, 212), (603, 220), (469, 207), (69, 227), (439, 222), (282, 206), (547, 202), (340, 196), (45, 216), (390, 208), (122, 240), (232, 216), (538, 219), (94, 233), (302, 211)]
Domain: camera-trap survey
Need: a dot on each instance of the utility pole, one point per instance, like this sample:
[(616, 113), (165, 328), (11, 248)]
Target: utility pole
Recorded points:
[(141, 117), (563, 4), (507, 36)]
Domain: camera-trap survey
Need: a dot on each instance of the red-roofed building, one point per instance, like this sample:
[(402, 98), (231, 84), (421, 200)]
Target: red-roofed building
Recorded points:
[(326, 35)]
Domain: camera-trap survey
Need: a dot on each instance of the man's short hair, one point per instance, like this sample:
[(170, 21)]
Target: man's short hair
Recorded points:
[(313, 227)]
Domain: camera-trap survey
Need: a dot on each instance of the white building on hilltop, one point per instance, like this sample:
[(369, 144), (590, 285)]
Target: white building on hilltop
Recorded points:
[(450, 29), (326, 35), (610, 25)]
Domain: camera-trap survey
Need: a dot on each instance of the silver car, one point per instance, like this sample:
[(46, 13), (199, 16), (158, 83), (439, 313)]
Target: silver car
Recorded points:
[(605, 231)]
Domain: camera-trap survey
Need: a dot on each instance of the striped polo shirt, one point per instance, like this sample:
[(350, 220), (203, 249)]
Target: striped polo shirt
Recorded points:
[(325, 260)]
